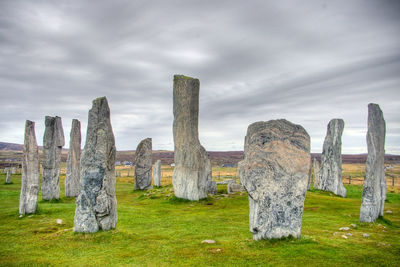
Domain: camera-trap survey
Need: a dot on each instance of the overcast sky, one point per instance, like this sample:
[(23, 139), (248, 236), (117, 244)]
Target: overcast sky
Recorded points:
[(305, 61)]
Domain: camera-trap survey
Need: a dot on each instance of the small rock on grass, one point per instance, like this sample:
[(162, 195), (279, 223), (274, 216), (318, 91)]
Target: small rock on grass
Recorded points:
[(335, 233), (344, 236), (349, 234), (353, 225), (59, 221), (344, 228), (208, 241), (365, 235), (389, 212)]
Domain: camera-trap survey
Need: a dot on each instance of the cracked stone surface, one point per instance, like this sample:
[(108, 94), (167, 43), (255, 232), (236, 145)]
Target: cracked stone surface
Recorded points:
[(30, 171), (374, 188), (192, 163), (275, 173), (53, 141), (73, 176), (143, 165), (316, 172), (330, 174), (96, 205)]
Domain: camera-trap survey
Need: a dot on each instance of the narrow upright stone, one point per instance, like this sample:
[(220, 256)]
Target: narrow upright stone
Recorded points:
[(143, 165), (8, 178), (192, 163), (316, 172), (330, 174), (275, 173), (53, 141), (157, 173), (96, 205), (73, 176), (374, 188), (30, 172)]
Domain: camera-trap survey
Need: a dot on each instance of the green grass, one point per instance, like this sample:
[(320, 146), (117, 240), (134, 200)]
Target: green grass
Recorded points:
[(157, 229)]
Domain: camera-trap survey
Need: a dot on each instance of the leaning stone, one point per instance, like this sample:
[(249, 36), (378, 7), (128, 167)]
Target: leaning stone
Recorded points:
[(73, 177), (374, 188), (53, 141), (211, 187), (234, 187), (316, 173), (157, 173), (96, 205), (330, 174), (192, 163), (30, 172), (8, 178), (274, 173), (143, 165)]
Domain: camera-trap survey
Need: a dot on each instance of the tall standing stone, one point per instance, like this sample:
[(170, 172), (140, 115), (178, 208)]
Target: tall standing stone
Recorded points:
[(53, 141), (274, 173), (73, 176), (96, 205), (374, 189), (157, 173), (30, 172), (192, 164), (143, 165), (330, 174), (316, 172), (8, 177)]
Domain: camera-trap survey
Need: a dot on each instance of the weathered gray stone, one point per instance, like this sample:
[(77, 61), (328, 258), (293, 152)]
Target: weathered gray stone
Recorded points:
[(316, 172), (234, 187), (8, 177), (143, 165), (374, 188), (274, 173), (157, 173), (330, 174), (13, 170), (192, 163), (309, 178), (30, 172), (53, 141), (96, 205), (211, 187), (73, 176)]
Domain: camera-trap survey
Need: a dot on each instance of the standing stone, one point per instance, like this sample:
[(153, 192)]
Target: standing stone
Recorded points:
[(233, 187), (13, 170), (30, 172), (8, 178), (316, 172), (192, 163), (73, 177), (53, 141), (157, 173), (143, 165), (330, 174), (96, 205), (211, 187), (374, 189), (274, 173)]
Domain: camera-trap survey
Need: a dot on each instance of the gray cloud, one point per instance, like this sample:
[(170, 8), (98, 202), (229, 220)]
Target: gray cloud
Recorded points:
[(307, 61)]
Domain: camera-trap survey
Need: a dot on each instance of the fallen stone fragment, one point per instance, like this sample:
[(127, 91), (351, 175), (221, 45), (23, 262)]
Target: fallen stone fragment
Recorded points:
[(389, 212), (208, 241), (349, 234), (344, 236), (365, 235), (353, 225), (344, 228), (59, 221)]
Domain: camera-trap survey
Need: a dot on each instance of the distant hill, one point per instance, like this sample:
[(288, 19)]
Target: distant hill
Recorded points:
[(167, 157)]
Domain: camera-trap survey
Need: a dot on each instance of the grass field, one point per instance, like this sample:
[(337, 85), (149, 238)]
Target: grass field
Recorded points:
[(156, 229)]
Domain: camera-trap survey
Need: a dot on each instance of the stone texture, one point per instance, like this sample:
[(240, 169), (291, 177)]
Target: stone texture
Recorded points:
[(330, 174), (192, 163), (143, 165), (13, 170), (157, 173), (96, 205), (53, 141), (234, 187), (8, 177), (211, 187), (374, 188), (30, 172), (316, 172), (73, 176), (274, 173)]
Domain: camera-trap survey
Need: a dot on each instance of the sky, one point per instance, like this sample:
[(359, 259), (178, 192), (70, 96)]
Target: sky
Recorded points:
[(305, 61)]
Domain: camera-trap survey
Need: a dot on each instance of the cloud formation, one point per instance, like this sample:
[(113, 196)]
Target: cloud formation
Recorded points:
[(306, 61)]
